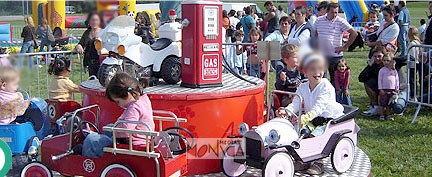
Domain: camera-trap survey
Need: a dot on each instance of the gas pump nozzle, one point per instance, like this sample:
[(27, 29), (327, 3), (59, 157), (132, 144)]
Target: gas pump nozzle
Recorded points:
[(305, 132)]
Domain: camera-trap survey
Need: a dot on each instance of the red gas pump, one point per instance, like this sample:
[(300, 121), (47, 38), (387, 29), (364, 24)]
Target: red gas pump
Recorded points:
[(201, 44)]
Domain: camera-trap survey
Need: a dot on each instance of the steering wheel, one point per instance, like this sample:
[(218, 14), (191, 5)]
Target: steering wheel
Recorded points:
[(176, 134), (89, 127)]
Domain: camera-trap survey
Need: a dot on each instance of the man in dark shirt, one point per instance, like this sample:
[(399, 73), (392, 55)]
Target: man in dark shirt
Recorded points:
[(271, 18)]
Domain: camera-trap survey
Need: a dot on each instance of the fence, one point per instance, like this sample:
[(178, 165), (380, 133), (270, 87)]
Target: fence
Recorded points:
[(34, 70), (419, 77)]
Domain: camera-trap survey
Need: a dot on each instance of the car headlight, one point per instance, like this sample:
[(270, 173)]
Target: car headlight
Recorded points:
[(98, 44), (121, 49), (32, 152), (274, 136), (243, 128)]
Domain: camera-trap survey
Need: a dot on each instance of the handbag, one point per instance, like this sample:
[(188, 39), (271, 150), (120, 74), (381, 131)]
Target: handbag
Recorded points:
[(364, 75), (50, 35), (36, 43)]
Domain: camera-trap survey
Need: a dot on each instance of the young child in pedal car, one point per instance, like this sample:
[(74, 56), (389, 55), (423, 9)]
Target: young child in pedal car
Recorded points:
[(388, 85), (342, 80), (126, 91), (319, 101), (12, 103), (61, 87), (288, 78)]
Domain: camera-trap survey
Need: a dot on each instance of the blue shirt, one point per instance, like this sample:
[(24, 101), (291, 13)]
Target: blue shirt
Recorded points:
[(404, 16), (246, 22)]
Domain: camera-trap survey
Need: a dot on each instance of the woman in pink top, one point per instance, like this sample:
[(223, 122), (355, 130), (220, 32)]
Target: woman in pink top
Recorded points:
[(342, 80), (388, 85), (12, 103), (126, 92)]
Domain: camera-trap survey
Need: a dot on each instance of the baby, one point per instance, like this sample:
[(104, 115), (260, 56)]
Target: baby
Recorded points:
[(12, 103)]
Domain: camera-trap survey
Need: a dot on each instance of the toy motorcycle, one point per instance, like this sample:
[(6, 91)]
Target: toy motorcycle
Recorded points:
[(127, 53)]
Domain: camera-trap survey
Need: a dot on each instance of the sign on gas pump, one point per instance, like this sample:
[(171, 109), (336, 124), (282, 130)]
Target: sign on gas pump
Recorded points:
[(210, 67)]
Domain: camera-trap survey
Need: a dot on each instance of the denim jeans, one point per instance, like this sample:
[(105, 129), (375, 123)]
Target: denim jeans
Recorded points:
[(402, 40), (27, 47), (342, 98), (94, 143), (254, 70), (43, 44)]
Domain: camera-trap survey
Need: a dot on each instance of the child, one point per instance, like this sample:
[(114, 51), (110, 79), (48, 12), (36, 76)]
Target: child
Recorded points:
[(371, 27), (319, 101), (342, 80), (388, 85), (238, 62), (61, 87), (12, 103), (414, 64), (288, 78), (254, 64), (126, 92)]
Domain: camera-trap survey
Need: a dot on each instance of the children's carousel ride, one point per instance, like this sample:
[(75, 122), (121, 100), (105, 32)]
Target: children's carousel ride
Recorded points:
[(205, 105)]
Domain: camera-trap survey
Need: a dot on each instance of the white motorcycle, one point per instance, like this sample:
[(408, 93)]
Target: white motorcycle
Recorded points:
[(127, 53)]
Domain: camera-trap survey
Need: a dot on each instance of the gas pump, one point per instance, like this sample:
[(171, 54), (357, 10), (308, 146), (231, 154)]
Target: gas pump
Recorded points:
[(202, 44)]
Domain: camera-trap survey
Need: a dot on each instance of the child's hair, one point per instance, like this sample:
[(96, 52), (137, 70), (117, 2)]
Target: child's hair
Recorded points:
[(341, 61), (422, 21), (393, 62), (122, 84), (8, 73), (288, 50), (58, 66), (255, 30), (372, 12), (413, 34), (238, 33), (310, 58)]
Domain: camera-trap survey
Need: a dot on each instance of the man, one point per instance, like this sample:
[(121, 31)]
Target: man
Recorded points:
[(281, 36), (329, 31), (322, 10), (404, 20), (428, 33), (299, 32), (271, 18), (248, 22)]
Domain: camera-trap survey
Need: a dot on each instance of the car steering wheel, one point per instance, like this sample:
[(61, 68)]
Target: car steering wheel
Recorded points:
[(174, 133), (89, 127)]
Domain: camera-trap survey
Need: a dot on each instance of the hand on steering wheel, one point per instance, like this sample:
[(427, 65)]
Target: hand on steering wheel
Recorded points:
[(86, 127)]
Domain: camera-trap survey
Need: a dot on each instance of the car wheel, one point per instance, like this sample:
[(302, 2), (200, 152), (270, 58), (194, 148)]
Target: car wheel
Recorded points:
[(36, 169), (106, 73), (343, 155), (115, 170), (229, 167), (171, 70), (278, 164)]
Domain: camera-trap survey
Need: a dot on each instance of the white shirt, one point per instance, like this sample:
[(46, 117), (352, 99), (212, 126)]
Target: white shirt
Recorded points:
[(233, 21), (321, 100), (312, 19), (297, 38), (422, 30), (276, 36), (388, 34)]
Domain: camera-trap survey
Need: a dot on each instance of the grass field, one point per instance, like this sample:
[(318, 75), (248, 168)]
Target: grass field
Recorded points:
[(395, 148)]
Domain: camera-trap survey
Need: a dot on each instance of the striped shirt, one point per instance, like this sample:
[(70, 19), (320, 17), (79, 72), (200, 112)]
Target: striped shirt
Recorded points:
[(330, 34)]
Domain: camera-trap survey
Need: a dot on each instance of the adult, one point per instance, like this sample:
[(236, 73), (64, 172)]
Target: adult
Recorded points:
[(271, 18), (428, 34), (299, 32), (281, 35), (280, 12), (28, 35), (380, 15), (387, 32), (422, 28), (329, 31), (369, 77), (86, 45), (248, 22), (404, 21), (233, 19), (322, 10), (43, 32)]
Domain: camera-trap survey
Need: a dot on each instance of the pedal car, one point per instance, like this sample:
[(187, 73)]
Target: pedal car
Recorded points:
[(163, 154), (24, 135), (57, 109), (276, 144), (129, 54)]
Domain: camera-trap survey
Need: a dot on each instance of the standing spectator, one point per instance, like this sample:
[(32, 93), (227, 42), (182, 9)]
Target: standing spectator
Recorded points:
[(414, 53), (225, 20), (240, 14), (281, 35), (380, 15), (299, 32), (387, 32), (404, 21), (271, 17), (422, 29), (237, 62), (388, 85), (233, 19), (322, 10), (43, 31), (226, 27), (29, 42), (86, 45), (428, 34), (253, 65), (342, 81), (280, 12), (329, 31), (248, 22)]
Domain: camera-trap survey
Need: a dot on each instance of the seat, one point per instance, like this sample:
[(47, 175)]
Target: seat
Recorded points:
[(56, 108), (161, 44), (349, 113)]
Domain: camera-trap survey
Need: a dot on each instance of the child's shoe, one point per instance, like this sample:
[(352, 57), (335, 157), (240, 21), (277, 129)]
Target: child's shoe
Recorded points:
[(390, 118)]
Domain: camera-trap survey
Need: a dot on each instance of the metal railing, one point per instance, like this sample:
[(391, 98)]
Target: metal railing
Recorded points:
[(35, 78), (419, 79)]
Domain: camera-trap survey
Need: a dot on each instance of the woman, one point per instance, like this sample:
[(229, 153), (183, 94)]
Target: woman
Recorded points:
[(387, 32), (300, 31), (86, 45), (28, 34), (43, 31)]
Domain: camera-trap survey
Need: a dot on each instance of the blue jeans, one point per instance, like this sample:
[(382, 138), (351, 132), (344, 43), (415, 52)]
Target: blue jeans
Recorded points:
[(342, 98), (27, 47), (402, 39), (94, 143), (254, 70), (43, 44)]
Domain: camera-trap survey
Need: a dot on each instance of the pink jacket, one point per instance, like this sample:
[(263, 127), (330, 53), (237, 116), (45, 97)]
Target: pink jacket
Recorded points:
[(8, 114), (139, 110)]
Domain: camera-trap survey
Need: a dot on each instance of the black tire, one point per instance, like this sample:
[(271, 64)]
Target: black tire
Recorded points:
[(171, 70), (106, 73)]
